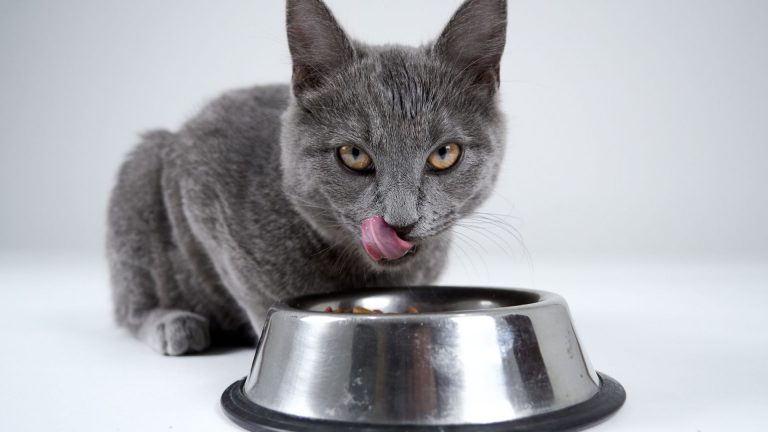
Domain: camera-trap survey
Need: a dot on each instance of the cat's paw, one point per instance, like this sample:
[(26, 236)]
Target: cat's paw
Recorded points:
[(175, 333)]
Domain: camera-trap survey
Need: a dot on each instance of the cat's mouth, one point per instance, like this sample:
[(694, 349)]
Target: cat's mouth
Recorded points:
[(382, 243), (399, 261)]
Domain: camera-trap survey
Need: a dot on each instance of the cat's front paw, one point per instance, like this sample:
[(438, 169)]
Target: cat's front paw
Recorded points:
[(174, 332)]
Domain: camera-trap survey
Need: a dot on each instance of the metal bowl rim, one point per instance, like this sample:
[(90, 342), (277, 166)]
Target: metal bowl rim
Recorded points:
[(546, 298)]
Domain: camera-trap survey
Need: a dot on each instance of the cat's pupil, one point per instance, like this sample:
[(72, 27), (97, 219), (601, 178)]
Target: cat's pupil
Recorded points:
[(442, 152), (355, 152)]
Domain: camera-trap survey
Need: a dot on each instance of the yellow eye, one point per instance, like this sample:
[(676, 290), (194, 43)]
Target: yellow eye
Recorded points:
[(354, 158), (445, 157)]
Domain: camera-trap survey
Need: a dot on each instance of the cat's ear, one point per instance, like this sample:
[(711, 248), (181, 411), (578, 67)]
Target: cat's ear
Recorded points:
[(317, 43), (474, 39)]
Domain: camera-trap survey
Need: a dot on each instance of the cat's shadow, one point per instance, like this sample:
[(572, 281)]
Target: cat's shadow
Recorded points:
[(222, 350), (228, 344)]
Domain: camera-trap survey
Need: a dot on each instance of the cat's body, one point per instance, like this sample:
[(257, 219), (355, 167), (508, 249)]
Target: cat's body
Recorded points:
[(182, 225), (247, 203)]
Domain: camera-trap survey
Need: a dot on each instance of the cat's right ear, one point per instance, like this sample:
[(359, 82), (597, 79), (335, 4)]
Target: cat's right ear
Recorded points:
[(317, 43)]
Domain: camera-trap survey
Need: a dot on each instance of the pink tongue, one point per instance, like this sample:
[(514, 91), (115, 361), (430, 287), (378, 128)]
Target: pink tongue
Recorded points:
[(381, 241)]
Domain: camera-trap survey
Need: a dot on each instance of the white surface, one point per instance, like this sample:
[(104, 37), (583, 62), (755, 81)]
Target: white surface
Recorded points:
[(636, 127), (689, 343)]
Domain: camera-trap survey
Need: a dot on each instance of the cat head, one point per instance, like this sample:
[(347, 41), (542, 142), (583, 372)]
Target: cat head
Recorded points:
[(404, 139)]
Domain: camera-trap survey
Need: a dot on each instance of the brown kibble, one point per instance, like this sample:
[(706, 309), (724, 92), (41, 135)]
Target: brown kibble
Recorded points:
[(364, 311)]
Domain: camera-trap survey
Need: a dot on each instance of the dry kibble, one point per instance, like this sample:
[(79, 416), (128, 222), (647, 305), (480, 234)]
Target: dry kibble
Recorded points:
[(364, 311), (361, 310)]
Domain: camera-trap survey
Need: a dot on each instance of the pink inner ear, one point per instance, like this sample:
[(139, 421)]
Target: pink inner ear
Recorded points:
[(381, 241)]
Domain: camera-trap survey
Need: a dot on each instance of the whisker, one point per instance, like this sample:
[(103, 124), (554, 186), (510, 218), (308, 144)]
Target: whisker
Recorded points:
[(469, 242), (466, 255), (484, 232), (504, 226)]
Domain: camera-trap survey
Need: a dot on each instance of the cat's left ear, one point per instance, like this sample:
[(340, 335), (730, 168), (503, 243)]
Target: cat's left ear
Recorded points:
[(317, 42), (474, 39)]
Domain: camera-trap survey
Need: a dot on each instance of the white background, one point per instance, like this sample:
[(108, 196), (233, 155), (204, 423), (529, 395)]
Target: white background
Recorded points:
[(635, 172)]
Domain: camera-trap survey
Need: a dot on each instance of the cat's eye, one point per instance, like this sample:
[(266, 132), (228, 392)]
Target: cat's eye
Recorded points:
[(354, 158), (444, 157)]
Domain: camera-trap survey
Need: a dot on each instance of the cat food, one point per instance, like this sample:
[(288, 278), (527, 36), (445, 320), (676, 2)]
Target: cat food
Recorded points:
[(363, 311)]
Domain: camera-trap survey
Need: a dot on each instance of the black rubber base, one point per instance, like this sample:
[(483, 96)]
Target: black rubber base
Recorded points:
[(255, 418)]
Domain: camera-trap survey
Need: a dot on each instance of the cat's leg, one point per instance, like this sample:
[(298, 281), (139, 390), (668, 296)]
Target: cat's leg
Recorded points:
[(139, 236), (167, 331)]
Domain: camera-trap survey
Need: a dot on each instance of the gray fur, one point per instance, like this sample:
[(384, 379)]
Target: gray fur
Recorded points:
[(247, 202)]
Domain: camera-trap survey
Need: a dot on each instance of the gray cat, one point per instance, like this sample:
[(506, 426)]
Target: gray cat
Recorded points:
[(350, 177)]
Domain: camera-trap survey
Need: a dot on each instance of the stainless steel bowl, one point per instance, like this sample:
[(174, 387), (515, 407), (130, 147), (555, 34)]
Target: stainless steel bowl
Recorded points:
[(472, 359)]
